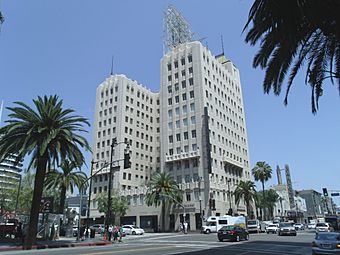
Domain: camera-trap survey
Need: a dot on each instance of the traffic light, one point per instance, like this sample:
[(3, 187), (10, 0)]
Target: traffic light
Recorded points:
[(210, 203), (325, 192), (127, 162)]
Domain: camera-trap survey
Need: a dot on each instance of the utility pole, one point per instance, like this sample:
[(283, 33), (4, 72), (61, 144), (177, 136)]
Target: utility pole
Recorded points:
[(199, 197), (230, 212), (109, 198)]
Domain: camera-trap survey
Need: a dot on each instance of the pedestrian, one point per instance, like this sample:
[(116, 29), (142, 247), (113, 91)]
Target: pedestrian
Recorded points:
[(185, 227), (115, 233), (180, 227), (110, 233), (121, 232), (82, 232)]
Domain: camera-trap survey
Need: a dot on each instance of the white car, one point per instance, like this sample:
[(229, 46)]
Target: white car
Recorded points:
[(322, 227), (311, 225), (132, 230), (272, 228)]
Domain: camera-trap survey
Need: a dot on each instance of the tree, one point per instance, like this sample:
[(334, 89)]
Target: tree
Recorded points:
[(268, 199), (163, 189), (65, 180), (262, 172), (293, 32), (49, 135), (2, 19), (245, 190), (119, 205)]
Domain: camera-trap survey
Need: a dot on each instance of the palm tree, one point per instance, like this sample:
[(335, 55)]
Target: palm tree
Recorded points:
[(271, 199), (162, 189), (262, 172), (49, 135), (65, 180), (290, 33), (245, 190), (2, 19)]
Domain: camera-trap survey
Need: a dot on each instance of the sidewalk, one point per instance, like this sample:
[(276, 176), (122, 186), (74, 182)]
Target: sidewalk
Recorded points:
[(62, 242)]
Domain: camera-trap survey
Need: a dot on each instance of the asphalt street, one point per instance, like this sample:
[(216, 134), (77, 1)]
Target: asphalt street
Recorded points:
[(193, 244)]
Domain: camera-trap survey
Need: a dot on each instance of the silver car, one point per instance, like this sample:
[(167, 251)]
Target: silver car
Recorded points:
[(286, 228), (326, 243)]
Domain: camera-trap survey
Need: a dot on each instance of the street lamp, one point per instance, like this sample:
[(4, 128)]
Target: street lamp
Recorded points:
[(230, 212), (199, 197)]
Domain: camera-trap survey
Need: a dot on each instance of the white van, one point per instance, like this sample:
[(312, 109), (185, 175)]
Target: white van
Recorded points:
[(214, 223)]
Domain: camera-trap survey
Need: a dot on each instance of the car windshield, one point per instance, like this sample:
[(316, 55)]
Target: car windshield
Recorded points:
[(321, 225), (282, 225), (272, 226), (227, 228), (328, 236), (251, 222)]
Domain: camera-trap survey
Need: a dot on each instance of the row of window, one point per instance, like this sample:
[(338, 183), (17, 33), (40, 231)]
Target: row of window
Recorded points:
[(184, 121), (185, 136), (175, 88), (182, 61), (185, 148)]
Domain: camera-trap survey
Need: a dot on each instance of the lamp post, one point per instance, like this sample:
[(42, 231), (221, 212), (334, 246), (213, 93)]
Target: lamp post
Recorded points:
[(199, 197), (19, 187), (229, 193)]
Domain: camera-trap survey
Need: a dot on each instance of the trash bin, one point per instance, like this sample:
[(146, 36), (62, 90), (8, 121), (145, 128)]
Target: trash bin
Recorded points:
[(92, 233)]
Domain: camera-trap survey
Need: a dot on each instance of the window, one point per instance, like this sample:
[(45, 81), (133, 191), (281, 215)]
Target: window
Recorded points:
[(185, 109), (184, 84), (192, 94), (177, 99), (169, 101), (184, 96), (191, 81), (178, 137), (193, 133), (177, 124), (187, 178), (186, 148), (169, 78), (190, 58), (177, 111), (188, 196), (186, 136), (170, 126), (169, 67), (185, 122), (190, 69), (176, 64), (171, 139), (170, 113), (170, 89), (192, 107), (182, 61)]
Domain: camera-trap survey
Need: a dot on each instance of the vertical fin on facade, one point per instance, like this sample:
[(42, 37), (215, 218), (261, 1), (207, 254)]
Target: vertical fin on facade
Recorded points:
[(279, 176), (289, 187), (112, 62), (176, 29)]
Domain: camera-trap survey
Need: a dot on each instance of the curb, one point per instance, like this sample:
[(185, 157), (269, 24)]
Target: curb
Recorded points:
[(53, 246)]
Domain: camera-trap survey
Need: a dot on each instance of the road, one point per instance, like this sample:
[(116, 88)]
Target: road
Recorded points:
[(193, 244)]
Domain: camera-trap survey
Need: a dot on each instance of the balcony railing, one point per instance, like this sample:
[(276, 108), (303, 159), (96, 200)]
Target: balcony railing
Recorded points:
[(182, 156)]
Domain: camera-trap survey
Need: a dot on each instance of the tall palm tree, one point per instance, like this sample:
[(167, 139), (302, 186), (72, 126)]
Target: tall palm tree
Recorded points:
[(2, 19), (262, 172), (65, 180), (271, 199), (49, 135), (245, 190), (163, 189), (294, 32)]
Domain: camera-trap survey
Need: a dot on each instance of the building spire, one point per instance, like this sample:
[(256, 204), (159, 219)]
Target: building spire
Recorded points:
[(111, 73), (222, 44), (1, 107)]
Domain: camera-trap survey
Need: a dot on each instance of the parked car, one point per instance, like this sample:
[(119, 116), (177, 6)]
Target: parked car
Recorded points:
[(326, 243), (286, 228), (232, 233), (322, 227), (272, 228), (132, 230), (299, 226), (311, 225), (98, 228)]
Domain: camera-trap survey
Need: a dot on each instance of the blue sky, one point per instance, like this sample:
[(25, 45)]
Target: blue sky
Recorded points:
[(65, 48)]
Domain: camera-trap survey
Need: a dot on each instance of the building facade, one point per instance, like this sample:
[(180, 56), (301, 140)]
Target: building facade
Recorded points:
[(313, 203), (194, 129)]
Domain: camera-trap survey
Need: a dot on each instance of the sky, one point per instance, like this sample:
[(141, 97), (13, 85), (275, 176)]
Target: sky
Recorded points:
[(65, 47)]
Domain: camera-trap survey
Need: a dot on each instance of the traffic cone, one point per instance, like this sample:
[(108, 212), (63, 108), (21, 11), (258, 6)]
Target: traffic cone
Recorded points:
[(105, 236)]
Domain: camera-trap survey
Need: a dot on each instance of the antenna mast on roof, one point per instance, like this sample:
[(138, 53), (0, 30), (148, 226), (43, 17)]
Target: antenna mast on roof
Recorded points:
[(1, 107), (177, 29), (222, 44)]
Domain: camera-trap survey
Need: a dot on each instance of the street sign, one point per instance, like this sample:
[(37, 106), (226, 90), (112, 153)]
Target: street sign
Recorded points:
[(335, 194)]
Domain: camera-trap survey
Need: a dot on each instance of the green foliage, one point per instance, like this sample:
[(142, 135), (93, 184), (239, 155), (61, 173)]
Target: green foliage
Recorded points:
[(2, 19), (49, 134), (268, 199), (65, 180), (245, 190), (294, 32), (119, 205), (262, 171), (167, 189)]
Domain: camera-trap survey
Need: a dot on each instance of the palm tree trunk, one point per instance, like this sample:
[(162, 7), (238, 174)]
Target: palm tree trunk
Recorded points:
[(38, 189), (62, 200), (264, 199), (163, 216)]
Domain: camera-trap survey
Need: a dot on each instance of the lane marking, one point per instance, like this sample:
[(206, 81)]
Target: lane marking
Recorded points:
[(131, 250)]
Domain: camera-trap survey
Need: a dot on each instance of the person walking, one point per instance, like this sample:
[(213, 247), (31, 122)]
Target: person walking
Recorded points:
[(121, 232), (115, 233), (185, 227)]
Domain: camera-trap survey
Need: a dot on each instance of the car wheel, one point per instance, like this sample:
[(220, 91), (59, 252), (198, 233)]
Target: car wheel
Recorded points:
[(133, 232), (207, 231), (267, 232), (279, 234)]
